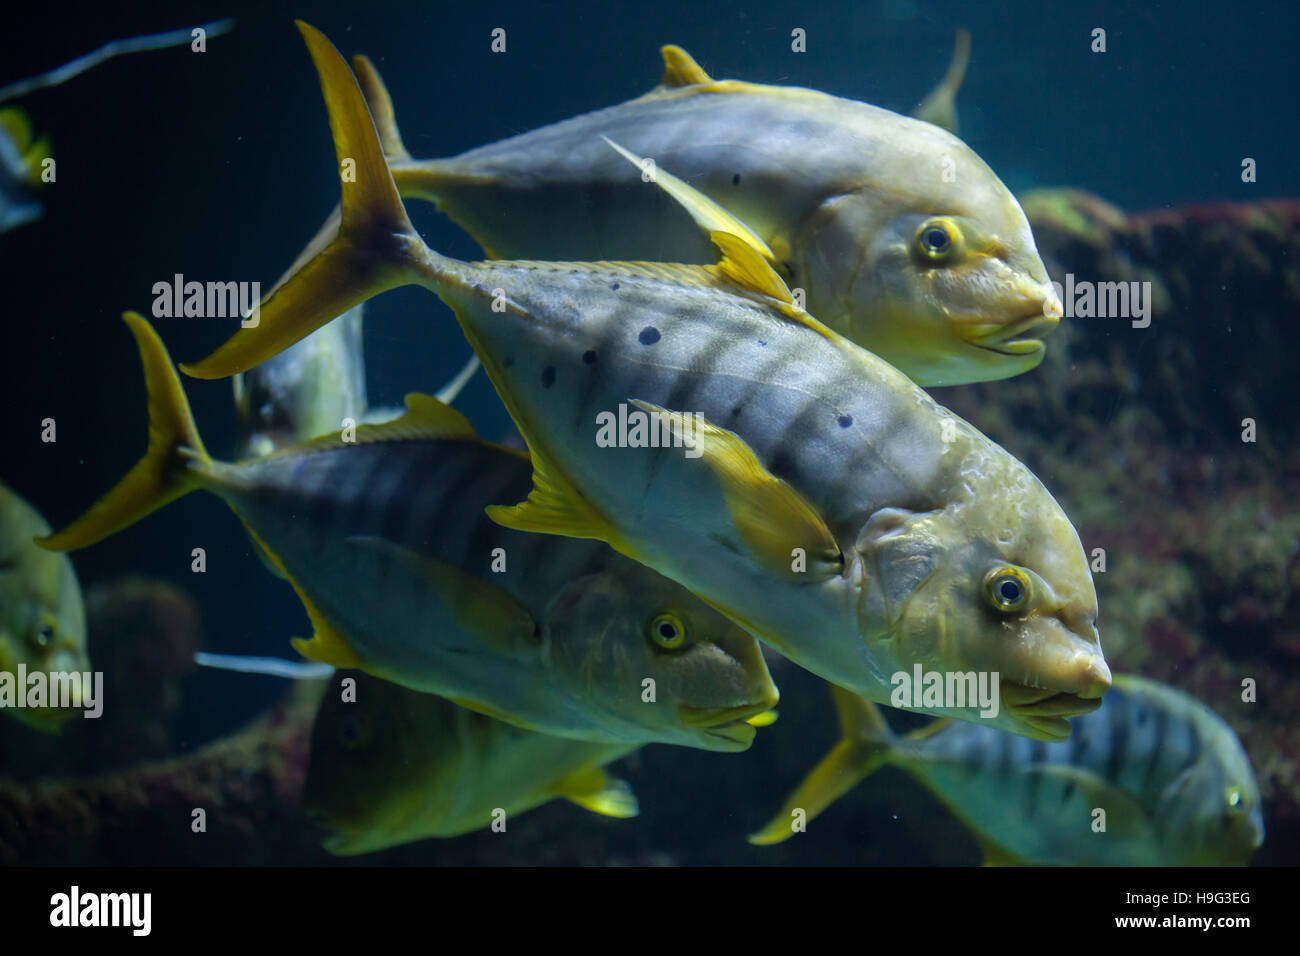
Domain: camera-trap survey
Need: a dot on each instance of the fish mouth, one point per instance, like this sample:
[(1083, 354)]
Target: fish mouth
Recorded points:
[(1019, 337), (1046, 710), (727, 723)]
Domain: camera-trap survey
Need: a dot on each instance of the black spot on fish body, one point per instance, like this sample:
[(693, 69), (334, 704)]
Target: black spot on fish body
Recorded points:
[(589, 357), (649, 335), (735, 180), (614, 287), (845, 421), (548, 376), (735, 412), (762, 344), (1068, 791), (507, 362)]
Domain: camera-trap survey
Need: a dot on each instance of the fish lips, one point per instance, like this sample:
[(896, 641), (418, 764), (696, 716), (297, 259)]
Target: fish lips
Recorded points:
[(726, 724)]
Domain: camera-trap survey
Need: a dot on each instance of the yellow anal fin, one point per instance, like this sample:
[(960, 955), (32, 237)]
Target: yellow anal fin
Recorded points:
[(374, 249), (164, 473), (326, 644), (482, 609), (708, 215), (680, 69), (17, 126), (776, 523), (381, 107), (994, 855), (593, 789)]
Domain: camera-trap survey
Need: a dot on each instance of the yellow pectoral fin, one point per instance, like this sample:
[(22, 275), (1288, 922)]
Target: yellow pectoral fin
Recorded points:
[(774, 521), (1125, 817), (680, 69), (555, 506), (479, 608), (495, 713), (593, 789), (708, 215)]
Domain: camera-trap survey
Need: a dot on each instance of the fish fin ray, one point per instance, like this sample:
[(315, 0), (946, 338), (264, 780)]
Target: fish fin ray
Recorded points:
[(374, 249), (595, 790), (680, 68), (381, 107), (167, 470)]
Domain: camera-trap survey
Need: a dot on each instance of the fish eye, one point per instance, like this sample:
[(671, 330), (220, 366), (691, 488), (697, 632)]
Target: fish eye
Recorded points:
[(936, 239), (45, 634), (1007, 589), (1236, 799), (667, 631)]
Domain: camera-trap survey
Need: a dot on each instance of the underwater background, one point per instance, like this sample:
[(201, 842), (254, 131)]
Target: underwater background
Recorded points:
[(220, 166)]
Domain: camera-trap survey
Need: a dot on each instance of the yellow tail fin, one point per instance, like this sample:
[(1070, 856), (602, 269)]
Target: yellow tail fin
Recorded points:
[(375, 249), (863, 749), (166, 470)]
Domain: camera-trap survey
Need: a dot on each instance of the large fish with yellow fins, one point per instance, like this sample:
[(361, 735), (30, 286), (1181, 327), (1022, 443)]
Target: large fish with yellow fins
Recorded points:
[(394, 766), (402, 575), (899, 235), (825, 503), (1175, 784)]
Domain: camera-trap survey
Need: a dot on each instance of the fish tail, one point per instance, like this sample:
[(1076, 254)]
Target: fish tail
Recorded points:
[(372, 249), (865, 745), (171, 465)]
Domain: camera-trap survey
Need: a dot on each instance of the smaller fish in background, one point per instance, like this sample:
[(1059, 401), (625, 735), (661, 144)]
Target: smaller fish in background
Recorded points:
[(42, 619), (20, 159), (20, 169), (1175, 783), (395, 766)]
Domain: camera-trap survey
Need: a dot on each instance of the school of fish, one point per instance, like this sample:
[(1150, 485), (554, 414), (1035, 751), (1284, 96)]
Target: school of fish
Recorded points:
[(711, 313)]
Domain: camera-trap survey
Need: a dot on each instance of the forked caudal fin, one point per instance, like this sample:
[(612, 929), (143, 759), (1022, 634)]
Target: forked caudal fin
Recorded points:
[(167, 470), (376, 248), (864, 747)]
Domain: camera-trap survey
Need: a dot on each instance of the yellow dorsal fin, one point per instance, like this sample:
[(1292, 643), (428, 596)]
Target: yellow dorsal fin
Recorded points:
[(745, 266), (680, 69), (381, 107), (940, 106), (708, 215), (425, 419)]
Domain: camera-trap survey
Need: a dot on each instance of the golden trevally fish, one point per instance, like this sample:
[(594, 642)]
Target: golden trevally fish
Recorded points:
[(42, 618), (384, 538), (901, 237), (826, 503), (1175, 784), (394, 766)]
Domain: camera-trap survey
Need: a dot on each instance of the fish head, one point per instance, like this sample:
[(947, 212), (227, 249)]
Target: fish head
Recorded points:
[(42, 622), (1211, 813), (374, 754), (633, 644), (945, 280), (1001, 586)]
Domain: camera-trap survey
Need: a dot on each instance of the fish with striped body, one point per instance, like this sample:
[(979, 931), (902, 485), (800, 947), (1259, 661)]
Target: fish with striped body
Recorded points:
[(385, 541), (1175, 784), (901, 237), (833, 509), (394, 766)]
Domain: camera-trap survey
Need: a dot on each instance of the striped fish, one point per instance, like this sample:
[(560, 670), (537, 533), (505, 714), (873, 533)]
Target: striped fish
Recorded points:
[(1174, 783), (900, 236), (826, 503), (394, 766), (385, 540)]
